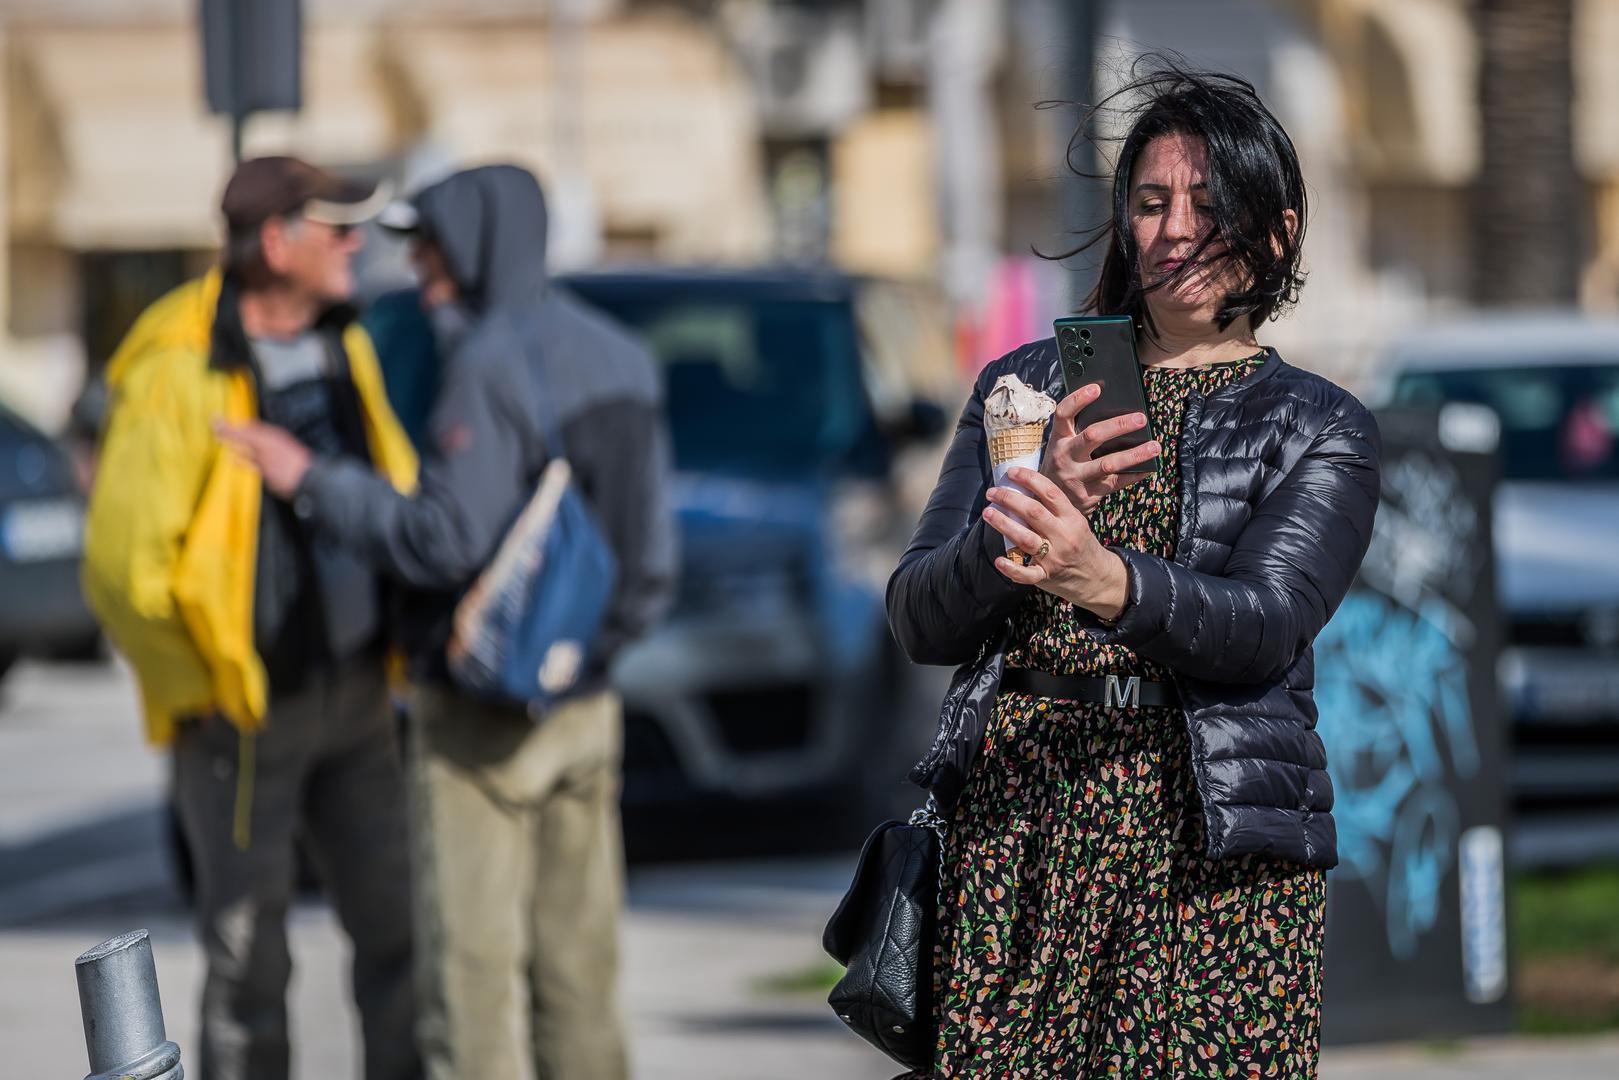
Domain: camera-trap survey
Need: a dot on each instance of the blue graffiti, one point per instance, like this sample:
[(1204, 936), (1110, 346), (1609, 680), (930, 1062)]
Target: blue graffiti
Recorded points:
[(1396, 720)]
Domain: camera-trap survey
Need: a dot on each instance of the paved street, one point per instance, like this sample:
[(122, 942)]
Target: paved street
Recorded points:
[(709, 946)]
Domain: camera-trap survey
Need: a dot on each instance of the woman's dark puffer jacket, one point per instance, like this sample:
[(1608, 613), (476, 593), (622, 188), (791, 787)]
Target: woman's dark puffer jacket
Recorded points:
[(1279, 486)]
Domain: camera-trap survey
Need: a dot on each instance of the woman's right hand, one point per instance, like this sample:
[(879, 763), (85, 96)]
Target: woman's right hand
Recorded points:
[(1069, 460)]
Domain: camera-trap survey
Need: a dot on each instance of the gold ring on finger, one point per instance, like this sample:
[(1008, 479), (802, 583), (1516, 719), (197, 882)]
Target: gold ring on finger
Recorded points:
[(1045, 549)]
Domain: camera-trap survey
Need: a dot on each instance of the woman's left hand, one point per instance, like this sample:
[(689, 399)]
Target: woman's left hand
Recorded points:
[(1071, 562)]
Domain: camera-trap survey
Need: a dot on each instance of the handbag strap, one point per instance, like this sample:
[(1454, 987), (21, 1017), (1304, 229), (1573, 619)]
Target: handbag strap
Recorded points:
[(928, 815)]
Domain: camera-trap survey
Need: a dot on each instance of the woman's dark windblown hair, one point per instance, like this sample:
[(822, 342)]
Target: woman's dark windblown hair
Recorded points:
[(1253, 177)]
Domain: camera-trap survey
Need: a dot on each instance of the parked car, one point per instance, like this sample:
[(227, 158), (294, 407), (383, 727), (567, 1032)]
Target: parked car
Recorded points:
[(1553, 382), (775, 682), (41, 535)]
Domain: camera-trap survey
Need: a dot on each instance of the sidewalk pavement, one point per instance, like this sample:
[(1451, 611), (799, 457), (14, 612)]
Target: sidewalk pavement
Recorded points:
[(81, 859)]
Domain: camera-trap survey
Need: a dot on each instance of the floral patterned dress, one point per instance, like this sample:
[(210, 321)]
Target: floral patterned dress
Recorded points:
[(1082, 931)]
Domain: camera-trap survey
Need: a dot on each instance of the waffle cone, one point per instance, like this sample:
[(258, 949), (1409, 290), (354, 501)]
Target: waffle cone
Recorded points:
[(1015, 442)]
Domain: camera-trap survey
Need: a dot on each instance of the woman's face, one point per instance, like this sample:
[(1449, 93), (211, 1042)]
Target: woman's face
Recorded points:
[(1169, 217)]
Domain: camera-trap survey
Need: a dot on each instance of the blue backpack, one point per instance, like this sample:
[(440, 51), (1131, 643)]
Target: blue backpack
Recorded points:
[(526, 631)]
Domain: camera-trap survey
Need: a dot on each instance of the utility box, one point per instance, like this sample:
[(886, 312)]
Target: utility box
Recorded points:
[(1406, 686)]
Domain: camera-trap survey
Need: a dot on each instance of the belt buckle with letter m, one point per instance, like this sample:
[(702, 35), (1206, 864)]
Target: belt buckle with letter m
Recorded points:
[(1123, 693)]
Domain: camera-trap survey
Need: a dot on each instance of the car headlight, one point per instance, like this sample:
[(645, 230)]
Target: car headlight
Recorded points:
[(863, 530)]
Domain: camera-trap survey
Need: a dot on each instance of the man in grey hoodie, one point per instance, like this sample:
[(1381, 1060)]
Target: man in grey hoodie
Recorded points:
[(519, 865)]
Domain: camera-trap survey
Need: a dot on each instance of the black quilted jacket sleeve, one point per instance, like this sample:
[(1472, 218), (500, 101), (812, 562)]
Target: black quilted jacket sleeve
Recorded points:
[(946, 598), (1289, 568)]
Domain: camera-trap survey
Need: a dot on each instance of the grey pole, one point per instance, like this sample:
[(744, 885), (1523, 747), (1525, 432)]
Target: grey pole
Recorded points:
[(1085, 202), (123, 1018)]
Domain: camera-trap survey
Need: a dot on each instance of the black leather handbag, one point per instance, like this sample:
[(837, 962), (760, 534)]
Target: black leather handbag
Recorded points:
[(883, 933)]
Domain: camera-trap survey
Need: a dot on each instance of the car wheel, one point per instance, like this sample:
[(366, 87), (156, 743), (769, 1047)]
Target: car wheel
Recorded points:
[(879, 789)]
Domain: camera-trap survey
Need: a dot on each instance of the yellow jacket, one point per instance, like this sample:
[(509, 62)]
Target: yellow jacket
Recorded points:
[(172, 537)]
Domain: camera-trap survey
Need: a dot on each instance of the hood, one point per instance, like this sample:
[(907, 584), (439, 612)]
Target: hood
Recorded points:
[(490, 224), (182, 319), (1555, 546), (776, 524)]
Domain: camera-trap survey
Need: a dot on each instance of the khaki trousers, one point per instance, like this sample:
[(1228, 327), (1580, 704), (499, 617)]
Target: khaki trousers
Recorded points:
[(519, 873)]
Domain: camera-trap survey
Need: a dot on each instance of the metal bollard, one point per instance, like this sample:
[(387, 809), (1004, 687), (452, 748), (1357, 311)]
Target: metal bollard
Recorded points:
[(123, 1018)]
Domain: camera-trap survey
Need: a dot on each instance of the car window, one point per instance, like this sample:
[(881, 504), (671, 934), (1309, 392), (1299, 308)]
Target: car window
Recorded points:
[(1557, 423), (755, 387)]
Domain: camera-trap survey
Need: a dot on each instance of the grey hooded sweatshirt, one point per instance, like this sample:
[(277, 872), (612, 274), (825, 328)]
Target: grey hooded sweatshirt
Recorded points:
[(511, 338)]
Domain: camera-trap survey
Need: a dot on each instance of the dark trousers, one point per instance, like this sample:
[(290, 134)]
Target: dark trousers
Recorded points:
[(325, 770)]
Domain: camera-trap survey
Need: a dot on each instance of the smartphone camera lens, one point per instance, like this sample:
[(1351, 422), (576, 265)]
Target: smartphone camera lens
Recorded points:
[(1086, 334), (1089, 351), (1069, 337)]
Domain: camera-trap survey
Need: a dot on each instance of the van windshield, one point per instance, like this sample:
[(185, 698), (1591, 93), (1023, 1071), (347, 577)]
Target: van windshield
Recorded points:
[(757, 387), (1557, 423)]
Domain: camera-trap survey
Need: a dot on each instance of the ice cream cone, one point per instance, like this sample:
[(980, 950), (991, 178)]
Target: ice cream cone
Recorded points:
[(1009, 445), (1015, 442), (1015, 426)]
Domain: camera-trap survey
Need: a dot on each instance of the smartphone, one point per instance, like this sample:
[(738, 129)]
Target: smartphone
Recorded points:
[(1102, 349)]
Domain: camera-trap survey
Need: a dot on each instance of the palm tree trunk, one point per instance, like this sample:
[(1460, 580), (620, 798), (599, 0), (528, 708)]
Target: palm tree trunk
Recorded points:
[(1529, 201)]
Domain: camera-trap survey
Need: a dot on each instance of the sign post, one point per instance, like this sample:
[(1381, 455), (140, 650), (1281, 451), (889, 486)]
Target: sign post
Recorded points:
[(252, 59)]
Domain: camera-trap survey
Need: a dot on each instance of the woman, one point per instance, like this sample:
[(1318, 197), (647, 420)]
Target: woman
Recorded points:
[(1133, 884)]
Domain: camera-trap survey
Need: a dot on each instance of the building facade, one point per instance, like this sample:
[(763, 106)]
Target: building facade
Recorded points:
[(891, 137)]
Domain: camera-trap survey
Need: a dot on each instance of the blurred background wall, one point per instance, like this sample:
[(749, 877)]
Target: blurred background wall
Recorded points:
[(894, 137)]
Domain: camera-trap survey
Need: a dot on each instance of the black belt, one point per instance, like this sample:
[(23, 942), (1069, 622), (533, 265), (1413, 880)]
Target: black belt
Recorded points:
[(1121, 691)]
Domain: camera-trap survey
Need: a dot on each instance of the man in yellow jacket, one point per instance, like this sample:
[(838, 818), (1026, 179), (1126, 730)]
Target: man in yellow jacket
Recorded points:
[(257, 644)]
